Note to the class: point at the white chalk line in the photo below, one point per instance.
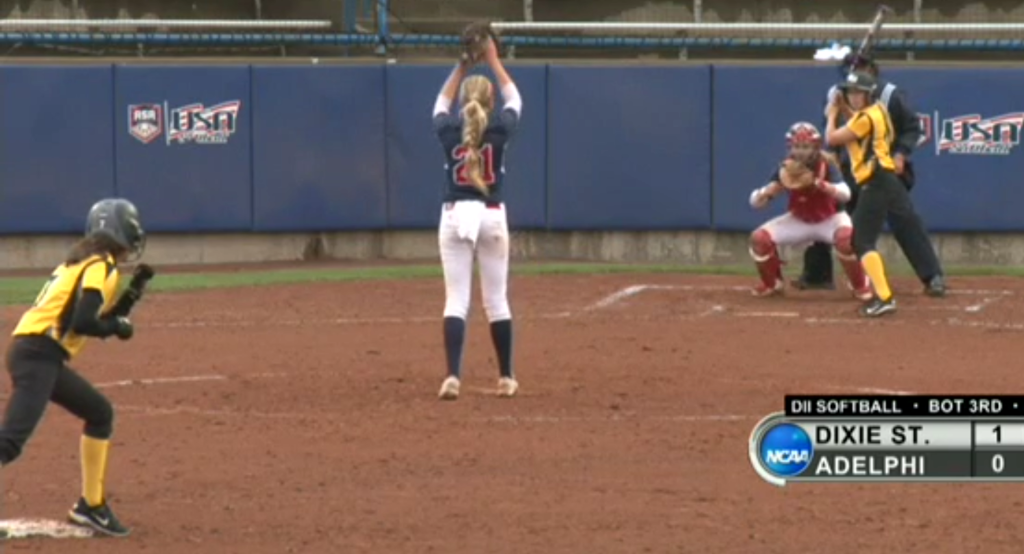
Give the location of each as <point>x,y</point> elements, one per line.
<point>203,412</point>
<point>643,287</point>
<point>979,306</point>
<point>767,314</point>
<point>616,297</point>
<point>201,324</point>
<point>691,418</point>
<point>179,410</point>
<point>151,411</point>
<point>161,381</point>
<point>985,325</point>
<point>872,390</point>
<point>990,296</point>
<point>714,310</point>
<point>608,301</point>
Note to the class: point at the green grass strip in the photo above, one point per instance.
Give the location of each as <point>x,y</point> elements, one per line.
<point>22,290</point>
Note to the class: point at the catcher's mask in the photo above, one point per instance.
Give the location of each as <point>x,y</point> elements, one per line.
<point>804,142</point>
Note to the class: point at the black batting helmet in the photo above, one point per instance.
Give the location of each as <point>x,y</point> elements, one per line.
<point>859,80</point>
<point>117,219</point>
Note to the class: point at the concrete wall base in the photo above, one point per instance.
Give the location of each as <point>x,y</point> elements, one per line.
<point>681,247</point>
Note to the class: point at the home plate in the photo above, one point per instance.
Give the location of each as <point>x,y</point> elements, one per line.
<point>11,529</point>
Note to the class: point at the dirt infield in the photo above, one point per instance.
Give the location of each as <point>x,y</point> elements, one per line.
<point>304,419</point>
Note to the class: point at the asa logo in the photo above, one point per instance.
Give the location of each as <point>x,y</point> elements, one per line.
<point>973,134</point>
<point>786,450</point>
<point>145,122</point>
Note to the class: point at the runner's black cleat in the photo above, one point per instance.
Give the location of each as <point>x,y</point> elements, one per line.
<point>100,519</point>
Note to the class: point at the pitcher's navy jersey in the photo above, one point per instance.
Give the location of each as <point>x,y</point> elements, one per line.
<point>492,151</point>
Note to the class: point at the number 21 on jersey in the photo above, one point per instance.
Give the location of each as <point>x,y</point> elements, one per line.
<point>462,175</point>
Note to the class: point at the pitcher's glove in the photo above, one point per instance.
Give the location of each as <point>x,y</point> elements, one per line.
<point>795,175</point>
<point>474,41</point>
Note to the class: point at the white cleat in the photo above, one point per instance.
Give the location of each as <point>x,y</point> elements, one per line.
<point>449,389</point>
<point>507,387</point>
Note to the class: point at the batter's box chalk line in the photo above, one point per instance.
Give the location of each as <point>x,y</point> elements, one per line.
<point>161,381</point>
<point>989,297</point>
<point>633,290</point>
<point>13,529</point>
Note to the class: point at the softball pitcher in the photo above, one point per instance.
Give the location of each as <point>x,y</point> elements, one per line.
<point>815,188</point>
<point>473,223</point>
<point>77,302</point>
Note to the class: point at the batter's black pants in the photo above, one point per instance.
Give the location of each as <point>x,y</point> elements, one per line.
<point>39,375</point>
<point>907,228</point>
<point>881,198</point>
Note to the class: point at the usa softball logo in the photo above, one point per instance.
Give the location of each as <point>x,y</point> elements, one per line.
<point>786,450</point>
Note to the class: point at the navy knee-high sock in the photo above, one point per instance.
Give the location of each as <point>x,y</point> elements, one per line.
<point>454,339</point>
<point>501,334</point>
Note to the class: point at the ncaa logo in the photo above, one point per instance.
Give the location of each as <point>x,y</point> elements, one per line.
<point>786,450</point>
<point>145,122</point>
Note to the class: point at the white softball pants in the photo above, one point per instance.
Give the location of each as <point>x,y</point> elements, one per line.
<point>469,231</point>
<point>787,230</point>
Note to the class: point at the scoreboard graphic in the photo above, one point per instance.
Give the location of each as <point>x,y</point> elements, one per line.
<point>891,439</point>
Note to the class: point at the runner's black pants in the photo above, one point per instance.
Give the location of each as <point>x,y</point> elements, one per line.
<point>39,375</point>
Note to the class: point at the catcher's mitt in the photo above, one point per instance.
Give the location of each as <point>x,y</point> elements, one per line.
<point>474,41</point>
<point>796,175</point>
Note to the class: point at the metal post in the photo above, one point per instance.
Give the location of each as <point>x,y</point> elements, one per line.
<point>259,10</point>
<point>918,7</point>
<point>383,30</point>
<point>349,15</point>
<point>698,17</point>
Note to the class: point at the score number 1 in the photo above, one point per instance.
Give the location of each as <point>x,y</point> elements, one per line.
<point>998,451</point>
<point>998,463</point>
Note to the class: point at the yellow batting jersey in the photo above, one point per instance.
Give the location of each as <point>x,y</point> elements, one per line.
<point>52,312</point>
<point>871,150</point>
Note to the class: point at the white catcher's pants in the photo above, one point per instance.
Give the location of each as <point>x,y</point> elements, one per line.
<point>468,230</point>
<point>787,230</point>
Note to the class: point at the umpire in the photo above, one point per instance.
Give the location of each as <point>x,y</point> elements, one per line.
<point>908,230</point>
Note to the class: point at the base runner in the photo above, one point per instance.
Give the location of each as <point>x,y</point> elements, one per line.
<point>815,186</point>
<point>78,302</point>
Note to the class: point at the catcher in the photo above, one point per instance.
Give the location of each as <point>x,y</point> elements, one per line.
<point>77,302</point>
<point>815,187</point>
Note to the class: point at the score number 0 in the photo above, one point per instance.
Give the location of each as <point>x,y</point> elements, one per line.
<point>998,463</point>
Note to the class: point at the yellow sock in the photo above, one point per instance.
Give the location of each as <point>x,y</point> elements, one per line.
<point>94,469</point>
<point>875,268</point>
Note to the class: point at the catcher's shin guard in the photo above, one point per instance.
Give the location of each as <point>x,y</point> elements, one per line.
<point>766,256</point>
<point>859,282</point>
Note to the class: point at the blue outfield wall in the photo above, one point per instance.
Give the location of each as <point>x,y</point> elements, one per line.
<point>286,148</point>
